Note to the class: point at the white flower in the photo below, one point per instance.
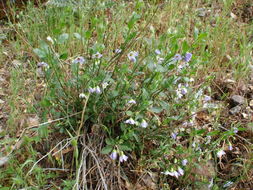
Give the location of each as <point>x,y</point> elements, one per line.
<point>117,50</point>
<point>191,80</point>
<point>144,124</point>
<point>123,158</point>
<point>184,162</point>
<point>50,40</point>
<point>180,67</point>
<point>160,60</point>
<point>132,56</point>
<point>130,121</point>
<point>229,183</point>
<point>173,173</point>
<point>104,85</point>
<point>113,155</point>
<point>82,95</point>
<point>158,52</point>
<point>179,94</point>
<point>79,60</point>
<point>43,65</point>
<point>210,184</point>
<point>207,98</point>
<point>97,55</point>
<point>220,153</point>
<point>230,147</point>
<point>132,101</point>
<point>180,171</point>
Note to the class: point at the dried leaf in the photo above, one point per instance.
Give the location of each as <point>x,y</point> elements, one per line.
<point>33,121</point>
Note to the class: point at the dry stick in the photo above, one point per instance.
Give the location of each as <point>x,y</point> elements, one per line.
<point>56,169</point>
<point>46,155</point>
<point>84,172</point>
<point>99,169</point>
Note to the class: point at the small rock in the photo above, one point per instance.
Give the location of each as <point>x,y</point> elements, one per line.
<point>235,110</point>
<point>233,16</point>
<point>202,12</point>
<point>237,100</point>
<point>3,160</point>
<point>251,103</point>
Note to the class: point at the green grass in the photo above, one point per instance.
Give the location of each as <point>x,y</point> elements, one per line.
<point>59,139</point>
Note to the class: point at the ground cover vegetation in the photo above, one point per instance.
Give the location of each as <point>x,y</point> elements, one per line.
<point>106,94</point>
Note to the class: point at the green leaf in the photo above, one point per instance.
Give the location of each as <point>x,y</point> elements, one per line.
<point>64,56</point>
<point>78,36</point>
<point>156,109</point>
<point>129,113</point>
<point>213,133</point>
<point>107,149</point>
<point>88,34</point>
<point>125,148</point>
<point>185,47</point>
<point>109,141</point>
<point>40,53</point>
<point>63,38</point>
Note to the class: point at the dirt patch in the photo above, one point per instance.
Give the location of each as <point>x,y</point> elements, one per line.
<point>5,6</point>
<point>243,10</point>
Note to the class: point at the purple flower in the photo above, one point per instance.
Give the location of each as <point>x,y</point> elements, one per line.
<point>187,57</point>
<point>174,135</point>
<point>177,57</point>
<point>123,158</point>
<point>79,60</point>
<point>91,90</point>
<point>97,90</point>
<point>132,56</point>
<point>184,162</point>
<point>207,98</point>
<point>94,90</point>
<point>114,155</point>
<point>235,130</point>
<point>230,147</point>
<point>158,52</point>
<point>184,91</point>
